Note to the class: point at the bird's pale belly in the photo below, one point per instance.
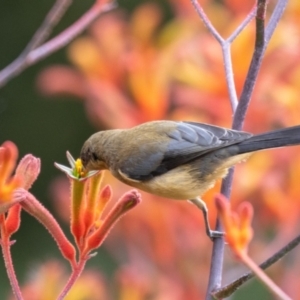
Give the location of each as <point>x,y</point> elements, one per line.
<point>184,182</point>
<point>179,184</point>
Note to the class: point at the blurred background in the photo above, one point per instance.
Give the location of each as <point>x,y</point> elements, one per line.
<point>146,61</point>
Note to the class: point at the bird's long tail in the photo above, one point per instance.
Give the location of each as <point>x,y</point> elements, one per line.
<point>273,139</point>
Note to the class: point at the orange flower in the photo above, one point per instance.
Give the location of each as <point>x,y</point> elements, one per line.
<point>8,158</point>
<point>88,225</point>
<point>237,225</point>
<point>26,173</point>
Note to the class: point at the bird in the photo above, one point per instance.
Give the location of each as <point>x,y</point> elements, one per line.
<point>177,159</point>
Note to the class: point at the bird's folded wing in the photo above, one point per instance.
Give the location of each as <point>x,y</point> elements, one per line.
<point>185,143</point>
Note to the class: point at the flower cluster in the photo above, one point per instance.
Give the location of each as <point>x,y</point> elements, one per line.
<point>88,225</point>
<point>88,201</point>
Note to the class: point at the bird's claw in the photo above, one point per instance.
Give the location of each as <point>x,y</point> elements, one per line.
<point>213,234</point>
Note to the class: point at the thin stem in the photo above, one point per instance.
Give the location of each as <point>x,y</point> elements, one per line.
<point>31,205</point>
<point>5,245</point>
<point>263,277</point>
<point>260,45</point>
<point>239,108</point>
<point>227,58</point>
<point>72,279</point>
<point>229,289</point>
<point>244,23</point>
<point>229,75</point>
<point>276,16</point>
<point>218,247</point>
<point>19,64</point>
<point>70,33</point>
<point>51,20</point>
<point>225,44</point>
<point>216,266</point>
<point>37,54</point>
<point>206,21</point>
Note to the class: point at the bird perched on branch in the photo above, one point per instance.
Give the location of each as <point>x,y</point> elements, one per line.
<point>178,160</point>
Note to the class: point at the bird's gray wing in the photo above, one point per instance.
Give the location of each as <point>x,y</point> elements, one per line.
<point>187,141</point>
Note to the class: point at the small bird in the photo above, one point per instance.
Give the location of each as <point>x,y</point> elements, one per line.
<point>178,160</point>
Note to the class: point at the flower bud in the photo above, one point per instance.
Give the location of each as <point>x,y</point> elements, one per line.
<point>28,170</point>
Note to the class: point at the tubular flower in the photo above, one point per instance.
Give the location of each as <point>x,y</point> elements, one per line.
<point>237,225</point>
<point>8,158</point>
<point>26,173</point>
<point>88,226</point>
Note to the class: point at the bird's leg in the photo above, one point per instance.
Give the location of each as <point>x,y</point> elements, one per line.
<point>202,205</point>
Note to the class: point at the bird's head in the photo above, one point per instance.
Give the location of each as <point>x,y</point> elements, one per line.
<point>91,153</point>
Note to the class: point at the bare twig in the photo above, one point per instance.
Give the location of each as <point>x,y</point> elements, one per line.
<point>226,50</point>
<point>276,16</point>
<point>32,55</point>
<point>218,247</point>
<point>216,266</point>
<point>206,21</point>
<point>70,33</point>
<point>227,59</point>
<point>229,289</point>
<point>261,42</point>
<point>51,20</point>
<point>244,23</point>
<point>225,45</point>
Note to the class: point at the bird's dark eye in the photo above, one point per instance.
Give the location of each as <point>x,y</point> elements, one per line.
<point>94,156</point>
<point>87,155</point>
